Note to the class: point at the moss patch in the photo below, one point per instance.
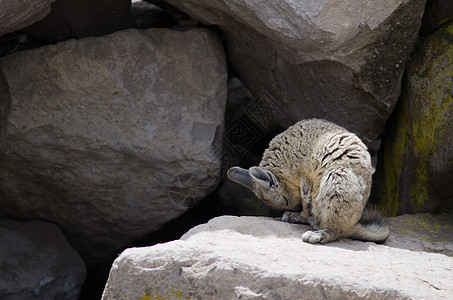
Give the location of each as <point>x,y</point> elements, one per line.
<point>432,104</point>
<point>431,233</point>
<point>170,295</point>
<point>392,158</point>
<point>417,128</point>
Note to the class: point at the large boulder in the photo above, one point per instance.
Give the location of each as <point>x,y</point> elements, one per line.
<point>82,18</point>
<point>416,165</point>
<point>18,14</point>
<point>112,137</point>
<point>36,262</point>
<point>333,59</point>
<point>261,258</point>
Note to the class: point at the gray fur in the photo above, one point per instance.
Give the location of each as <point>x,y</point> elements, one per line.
<point>323,171</point>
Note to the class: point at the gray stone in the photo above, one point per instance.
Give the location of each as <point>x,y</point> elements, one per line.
<point>71,19</point>
<point>36,262</point>
<point>113,137</point>
<point>422,232</point>
<point>262,258</point>
<point>333,59</point>
<point>18,14</point>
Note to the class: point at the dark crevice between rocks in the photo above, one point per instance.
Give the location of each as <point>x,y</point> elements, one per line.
<point>5,103</point>
<point>207,209</point>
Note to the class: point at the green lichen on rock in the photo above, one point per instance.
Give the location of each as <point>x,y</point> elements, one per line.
<point>391,159</point>
<point>419,127</point>
<point>423,232</point>
<point>432,105</point>
<point>169,295</point>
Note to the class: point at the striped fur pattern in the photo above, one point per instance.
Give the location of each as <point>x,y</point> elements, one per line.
<point>320,173</point>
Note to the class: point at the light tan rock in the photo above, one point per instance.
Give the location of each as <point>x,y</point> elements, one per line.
<point>262,258</point>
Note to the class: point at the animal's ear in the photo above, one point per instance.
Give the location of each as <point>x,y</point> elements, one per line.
<point>240,176</point>
<point>263,177</point>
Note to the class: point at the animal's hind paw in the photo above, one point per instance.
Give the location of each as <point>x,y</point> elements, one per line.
<point>312,237</point>
<point>292,217</point>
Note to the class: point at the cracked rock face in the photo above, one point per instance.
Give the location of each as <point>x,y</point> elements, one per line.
<point>261,258</point>
<point>112,137</point>
<point>332,59</point>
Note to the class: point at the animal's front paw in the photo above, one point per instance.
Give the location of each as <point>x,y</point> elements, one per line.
<point>292,217</point>
<point>312,237</point>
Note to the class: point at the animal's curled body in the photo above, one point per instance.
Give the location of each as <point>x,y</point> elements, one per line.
<point>323,171</point>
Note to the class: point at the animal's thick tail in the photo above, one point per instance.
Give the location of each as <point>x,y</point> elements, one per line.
<point>371,227</point>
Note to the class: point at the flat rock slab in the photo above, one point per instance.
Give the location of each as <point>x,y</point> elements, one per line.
<point>261,258</point>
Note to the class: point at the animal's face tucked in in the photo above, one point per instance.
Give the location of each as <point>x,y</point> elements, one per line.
<point>265,186</point>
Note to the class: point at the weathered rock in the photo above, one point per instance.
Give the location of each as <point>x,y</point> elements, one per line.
<point>417,158</point>
<point>422,232</point>
<point>112,137</point>
<point>36,262</point>
<point>261,258</point>
<point>18,14</point>
<point>82,18</point>
<point>333,59</point>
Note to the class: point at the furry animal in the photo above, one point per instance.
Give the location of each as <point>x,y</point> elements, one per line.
<point>320,173</point>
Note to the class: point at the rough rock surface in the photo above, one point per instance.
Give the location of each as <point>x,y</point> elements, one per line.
<point>82,18</point>
<point>112,137</point>
<point>332,59</point>
<point>261,258</point>
<point>416,168</point>
<point>423,232</point>
<point>36,262</point>
<point>18,14</point>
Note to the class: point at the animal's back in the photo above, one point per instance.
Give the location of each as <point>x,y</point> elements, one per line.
<point>309,148</point>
